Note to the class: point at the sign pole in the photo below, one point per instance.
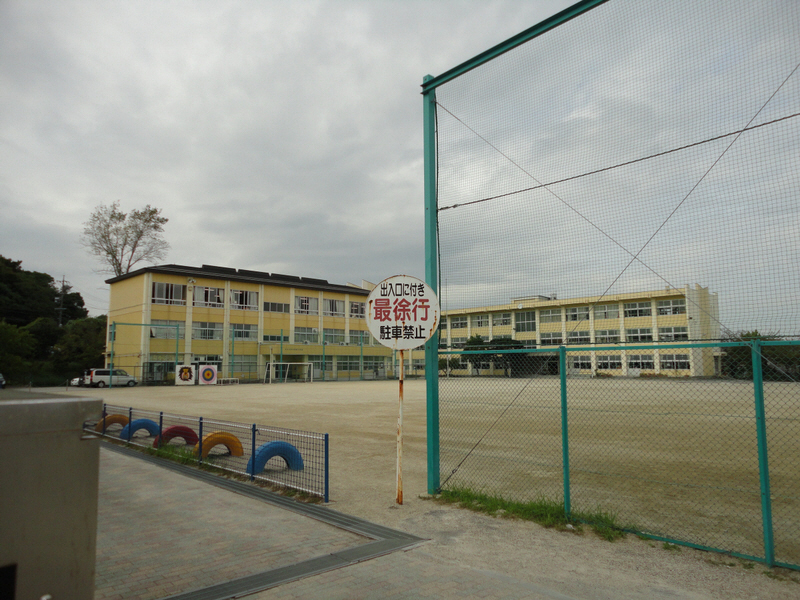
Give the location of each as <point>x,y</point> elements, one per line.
<point>400,434</point>
<point>403,314</point>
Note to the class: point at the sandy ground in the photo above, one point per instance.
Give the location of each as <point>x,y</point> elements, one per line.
<point>361,418</point>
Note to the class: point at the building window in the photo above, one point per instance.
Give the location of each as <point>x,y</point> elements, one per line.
<point>243,300</point>
<point>418,364</point>
<point>373,363</point>
<point>276,338</point>
<point>207,331</point>
<point>348,363</point>
<point>333,336</point>
<point>316,362</point>
<point>169,293</point>
<point>306,335</point>
<point>643,334</point>
<point>501,319</point>
<point>528,343</point>
<point>550,315</point>
<point>606,311</point>
<point>640,361</point>
<point>669,334</point>
<point>333,308</point>
<point>206,359</point>
<point>609,361</point>
<point>580,362</point>
<point>458,322</point>
<point>357,310</point>
<point>480,320</point>
<point>606,336</point>
<point>526,321</point>
<point>501,337</point>
<point>458,342</point>
<point>357,338</point>
<point>675,361</point>
<point>638,309</point>
<point>551,339</point>
<point>276,307</point>
<point>166,329</point>
<point>672,307</point>
<point>305,305</point>
<point>578,313</point>
<point>209,297</point>
<point>578,337</point>
<point>243,363</point>
<point>245,332</point>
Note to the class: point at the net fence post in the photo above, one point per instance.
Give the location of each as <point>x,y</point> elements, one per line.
<point>253,454</point>
<point>431,278</point>
<point>763,459</point>
<point>160,427</point>
<point>327,474</point>
<point>130,420</point>
<point>200,440</point>
<point>562,370</point>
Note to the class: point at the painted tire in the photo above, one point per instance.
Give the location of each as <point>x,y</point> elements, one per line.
<point>181,431</point>
<point>215,438</point>
<point>109,420</point>
<point>129,430</point>
<point>285,450</point>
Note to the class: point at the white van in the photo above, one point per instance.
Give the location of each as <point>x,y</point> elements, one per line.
<point>102,378</point>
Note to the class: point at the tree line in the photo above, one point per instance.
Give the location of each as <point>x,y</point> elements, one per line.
<point>46,335</point>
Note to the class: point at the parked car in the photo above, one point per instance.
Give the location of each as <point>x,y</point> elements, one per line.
<point>77,381</point>
<point>2,382</point>
<point>102,378</point>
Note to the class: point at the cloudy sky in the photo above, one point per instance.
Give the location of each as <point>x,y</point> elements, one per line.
<point>630,114</point>
<point>278,136</point>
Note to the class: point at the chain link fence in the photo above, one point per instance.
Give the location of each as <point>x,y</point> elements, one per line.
<point>712,462</point>
<point>286,458</point>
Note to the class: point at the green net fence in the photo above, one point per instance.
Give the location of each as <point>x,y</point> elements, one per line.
<point>618,221</point>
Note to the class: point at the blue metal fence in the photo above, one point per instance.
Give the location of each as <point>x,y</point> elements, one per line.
<point>286,458</point>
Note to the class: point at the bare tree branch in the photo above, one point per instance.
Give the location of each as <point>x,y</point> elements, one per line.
<point>122,240</point>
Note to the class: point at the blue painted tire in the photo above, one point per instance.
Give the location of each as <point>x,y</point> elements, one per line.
<point>151,426</point>
<point>285,450</point>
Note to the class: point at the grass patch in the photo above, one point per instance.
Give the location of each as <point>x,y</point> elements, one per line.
<point>671,547</point>
<point>544,511</point>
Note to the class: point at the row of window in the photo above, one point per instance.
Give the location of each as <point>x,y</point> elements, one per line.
<point>208,297</point>
<point>668,362</point>
<point>601,336</point>
<point>202,330</point>
<point>526,321</point>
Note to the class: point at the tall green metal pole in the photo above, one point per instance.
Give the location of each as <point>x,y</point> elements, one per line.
<point>562,368</point>
<point>763,459</point>
<point>432,279</point>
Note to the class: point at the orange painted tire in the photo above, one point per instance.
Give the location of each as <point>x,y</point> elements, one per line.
<point>215,438</point>
<point>108,420</point>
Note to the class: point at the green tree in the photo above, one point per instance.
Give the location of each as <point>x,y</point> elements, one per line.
<point>449,363</point>
<point>16,347</point>
<point>46,333</point>
<point>29,295</point>
<point>778,363</point>
<point>121,240</point>
<point>81,347</point>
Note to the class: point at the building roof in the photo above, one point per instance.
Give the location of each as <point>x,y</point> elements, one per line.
<point>243,275</point>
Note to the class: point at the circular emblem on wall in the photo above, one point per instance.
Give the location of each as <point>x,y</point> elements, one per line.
<point>208,374</point>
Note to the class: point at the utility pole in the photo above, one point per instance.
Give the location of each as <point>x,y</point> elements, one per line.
<point>60,308</point>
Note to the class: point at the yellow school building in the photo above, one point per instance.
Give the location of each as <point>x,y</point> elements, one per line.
<point>242,320</point>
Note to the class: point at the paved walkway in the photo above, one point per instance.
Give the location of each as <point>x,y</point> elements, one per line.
<point>163,534</point>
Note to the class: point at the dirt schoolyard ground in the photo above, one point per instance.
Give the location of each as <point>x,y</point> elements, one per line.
<point>361,418</point>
